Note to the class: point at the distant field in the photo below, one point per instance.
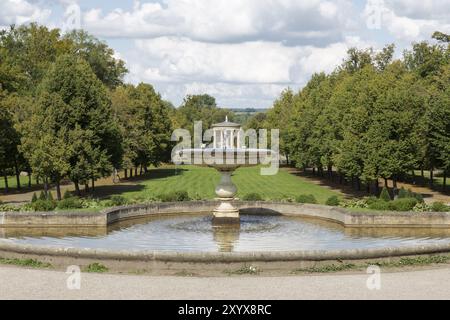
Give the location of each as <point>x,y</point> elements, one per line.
<point>200,183</point>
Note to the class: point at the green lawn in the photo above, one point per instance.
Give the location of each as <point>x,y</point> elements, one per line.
<point>438,179</point>
<point>200,183</point>
<point>12,182</point>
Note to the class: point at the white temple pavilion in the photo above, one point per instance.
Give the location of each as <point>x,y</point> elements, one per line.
<point>227,135</point>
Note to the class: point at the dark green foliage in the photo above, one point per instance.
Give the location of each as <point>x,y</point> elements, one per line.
<point>404,204</point>
<point>118,200</point>
<point>379,205</point>
<point>44,205</point>
<point>306,198</point>
<point>439,207</point>
<point>403,193</point>
<point>175,196</point>
<point>67,194</point>
<point>50,196</point>
<point>70,203</point>
<point>42,196</point>
<point>34,198</point>
<point>252,197</point>
<point>385,196</point>
<point>419,197</point>
<point>333,201</point>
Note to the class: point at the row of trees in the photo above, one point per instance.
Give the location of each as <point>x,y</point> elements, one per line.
<point>373,117</point>
<point>65,112</point>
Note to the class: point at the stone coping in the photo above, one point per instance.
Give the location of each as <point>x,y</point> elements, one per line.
<point>334,214</point>
<point>220,257</point>
<point>110,216</point>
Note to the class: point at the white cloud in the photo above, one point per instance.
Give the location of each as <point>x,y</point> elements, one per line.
<point>235,73</point>
<point>225,20</point>
<point>22,11</point>
<point>410,21</point>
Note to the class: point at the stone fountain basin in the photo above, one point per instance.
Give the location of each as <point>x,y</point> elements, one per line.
<point>357,223</point>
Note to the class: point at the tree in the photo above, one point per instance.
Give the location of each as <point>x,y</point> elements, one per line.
<point>145,125</point>
<point>9,140</point>
<point>89,110</point>
<point>201,108</point>
<point>100,57</point>
<point>44,140</point>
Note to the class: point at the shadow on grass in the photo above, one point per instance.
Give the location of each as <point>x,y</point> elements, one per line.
<point>109,190</point>
<point>155,174</point>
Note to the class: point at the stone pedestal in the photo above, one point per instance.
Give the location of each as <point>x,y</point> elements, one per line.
<point>226,191</point>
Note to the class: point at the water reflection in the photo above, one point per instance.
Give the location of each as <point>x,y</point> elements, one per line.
<point>198,233</point>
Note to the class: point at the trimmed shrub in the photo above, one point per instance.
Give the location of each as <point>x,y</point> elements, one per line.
<point>379,205</point>
<point>34,198</point>
<point>42,196</point>
<point>404,204</point>
<point>252,197</point>
<point>333,201</point>
<point>384,195</point>
<point>403,193</point>
<point>175,196</point>
<point>43,205</point>
<point>70,203</point>
<point>439,207</point>
<point>418,197</point>
<point>118,200</point>
<point>306,198</point>
<point>67,195</point>
<point>50,196</point>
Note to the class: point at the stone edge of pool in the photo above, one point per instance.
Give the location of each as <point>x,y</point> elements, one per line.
<point>333,214</point>
<point>133,258</point>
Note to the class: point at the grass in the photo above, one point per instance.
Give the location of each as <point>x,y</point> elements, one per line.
<point>12,182</point>
<point>244,270</point>
<point>30,263</point>
<point>96,268</point>
<point>402,262</point>
<point>200,183</point>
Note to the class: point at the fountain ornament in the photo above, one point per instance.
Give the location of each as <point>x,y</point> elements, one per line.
<point>226,153</point>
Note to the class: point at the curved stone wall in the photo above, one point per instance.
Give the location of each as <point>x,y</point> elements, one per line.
<point>334,214</point>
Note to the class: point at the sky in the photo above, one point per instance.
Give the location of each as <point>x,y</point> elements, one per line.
<point>243,52</point>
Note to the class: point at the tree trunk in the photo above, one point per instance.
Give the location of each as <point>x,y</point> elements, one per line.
<point>37,180</point>
<point>135,171</point>
<point>386,183</point>
<point>287,160</point>
<point>46,187</point>
<point>394,182</point>
<point>145,169</point>
<point>444,184</point>
<point>377,187</point>
<point>86,187</point>
<point>431,177</point>
<point>141,170</point>
<point>77,188</point>
<point>330,173</point>
<point>368,187</point>
<point>93,184</point>
<point>314,170</point>
<point>6,182</point>
<point>16,167</point>
<point>58,190</point>
<point>340,178</point>
<point>131,173</point>
<point>126,173</point>
<point>358,184</point>
<point>29,179</point>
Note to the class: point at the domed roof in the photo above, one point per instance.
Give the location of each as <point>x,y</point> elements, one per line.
<point>226,124</point>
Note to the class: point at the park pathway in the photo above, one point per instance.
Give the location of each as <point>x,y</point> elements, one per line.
<point>18,283</point>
